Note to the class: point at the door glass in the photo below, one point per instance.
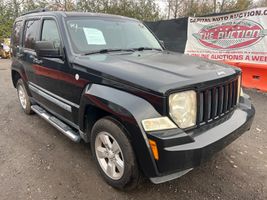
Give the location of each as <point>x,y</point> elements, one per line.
<point>50,33</point>
<point>31,28</point>
<point>16,33</point>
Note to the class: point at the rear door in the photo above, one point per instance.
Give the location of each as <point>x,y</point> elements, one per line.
<point>16,45</point>
<point>15,39</point>
<point>26,53</point>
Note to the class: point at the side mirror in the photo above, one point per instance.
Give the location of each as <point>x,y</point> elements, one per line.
<point>47,49</point>
<point>162,43</point>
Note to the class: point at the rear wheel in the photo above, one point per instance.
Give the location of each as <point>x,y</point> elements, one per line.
<point>114,155</point>
<point>24,98</point>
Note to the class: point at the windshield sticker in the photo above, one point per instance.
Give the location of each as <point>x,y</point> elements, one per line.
<point>94,36</point>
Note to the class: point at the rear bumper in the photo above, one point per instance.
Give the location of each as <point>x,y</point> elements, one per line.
<point>179,152</point>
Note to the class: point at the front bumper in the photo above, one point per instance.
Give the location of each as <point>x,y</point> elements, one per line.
<point>180,151</point>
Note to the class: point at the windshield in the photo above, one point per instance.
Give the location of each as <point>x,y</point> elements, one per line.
<point>90,35</point>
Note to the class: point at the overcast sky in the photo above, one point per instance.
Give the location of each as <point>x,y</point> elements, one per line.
<point>162,4</point>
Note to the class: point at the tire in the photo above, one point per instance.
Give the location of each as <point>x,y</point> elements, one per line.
<point>123,178</point>
<point>24,98</point>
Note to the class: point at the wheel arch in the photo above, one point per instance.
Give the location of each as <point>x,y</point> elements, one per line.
<point>18,74</point>
<point>17,70</point>
<point>15,77</point>
<point>128,110</point>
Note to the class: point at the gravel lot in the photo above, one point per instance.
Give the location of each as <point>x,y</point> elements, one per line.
<point>37,162</point>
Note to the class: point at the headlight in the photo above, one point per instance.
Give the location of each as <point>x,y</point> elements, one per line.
<point>183,108</point>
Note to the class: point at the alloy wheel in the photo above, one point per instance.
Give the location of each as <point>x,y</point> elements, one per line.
<point>22,97</point>
<point>109,155</point>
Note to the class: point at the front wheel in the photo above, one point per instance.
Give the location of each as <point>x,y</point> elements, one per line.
<point>114,155</point>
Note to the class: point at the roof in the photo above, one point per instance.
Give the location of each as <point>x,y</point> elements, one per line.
<point>43,12</point>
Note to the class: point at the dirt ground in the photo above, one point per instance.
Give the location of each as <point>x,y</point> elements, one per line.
<point>37,162</point>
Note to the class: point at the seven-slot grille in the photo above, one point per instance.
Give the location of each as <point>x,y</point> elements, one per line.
<point>216,101</point>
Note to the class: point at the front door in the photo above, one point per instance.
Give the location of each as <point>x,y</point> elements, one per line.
<point>47,86</point>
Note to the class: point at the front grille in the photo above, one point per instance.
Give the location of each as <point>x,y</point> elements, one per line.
<point>216,101</point>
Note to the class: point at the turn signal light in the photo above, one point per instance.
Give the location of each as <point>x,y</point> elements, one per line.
<point>158,124</point>
<point>154,148</point>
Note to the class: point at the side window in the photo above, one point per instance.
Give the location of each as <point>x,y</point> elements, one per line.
<point>30,34</point>
<point>16,33</point>
<point>50,32</point>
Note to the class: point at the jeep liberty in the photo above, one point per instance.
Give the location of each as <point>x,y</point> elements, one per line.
<point>107,80</point>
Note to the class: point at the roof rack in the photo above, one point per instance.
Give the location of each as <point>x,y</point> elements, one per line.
<point>36,11</point>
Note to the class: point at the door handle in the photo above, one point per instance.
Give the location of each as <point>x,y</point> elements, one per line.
<point>37,61</point>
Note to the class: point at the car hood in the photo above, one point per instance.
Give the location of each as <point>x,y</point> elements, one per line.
<point>152,70</point>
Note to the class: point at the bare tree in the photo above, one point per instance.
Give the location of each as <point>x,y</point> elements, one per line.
<point>183,8</point>
<point>262,3</point>
<point>16,7</point>
<point>177,8</point>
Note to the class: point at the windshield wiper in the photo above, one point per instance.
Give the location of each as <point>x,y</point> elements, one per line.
<point>146,48</point>
<point>102,51</point>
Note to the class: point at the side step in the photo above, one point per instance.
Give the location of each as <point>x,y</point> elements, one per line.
<point>58,124</point>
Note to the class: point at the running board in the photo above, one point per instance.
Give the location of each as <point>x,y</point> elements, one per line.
<point>58,124</point>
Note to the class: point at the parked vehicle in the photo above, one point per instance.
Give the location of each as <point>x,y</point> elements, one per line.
<point>107,80</point>
<point>5,49</point>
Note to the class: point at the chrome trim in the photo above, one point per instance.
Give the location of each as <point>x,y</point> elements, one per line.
<point>69,133</point>
<point>50,98</point>
<point>55,96</point>
<point>55,114</point>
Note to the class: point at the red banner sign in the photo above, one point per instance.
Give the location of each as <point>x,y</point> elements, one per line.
<point>238,37</point>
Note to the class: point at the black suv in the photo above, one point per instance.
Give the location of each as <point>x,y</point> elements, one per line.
<point>109,81</point>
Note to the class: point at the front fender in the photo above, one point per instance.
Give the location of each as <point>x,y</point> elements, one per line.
<point>130,110</point>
